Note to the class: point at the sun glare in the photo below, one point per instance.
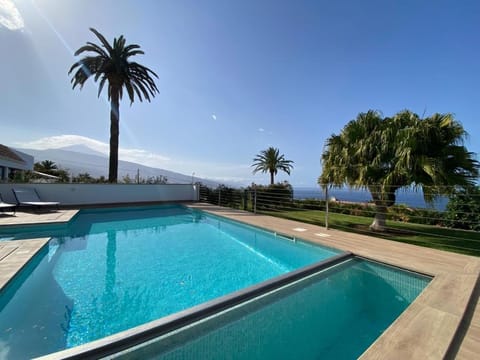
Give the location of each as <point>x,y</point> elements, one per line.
<point>10,17</point>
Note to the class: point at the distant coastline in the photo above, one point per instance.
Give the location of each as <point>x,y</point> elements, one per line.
<point>407,197</point>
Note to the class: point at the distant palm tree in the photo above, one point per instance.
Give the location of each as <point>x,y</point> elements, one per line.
<point>271,161</point>
<point>110,63</point>
<point>46,166</point>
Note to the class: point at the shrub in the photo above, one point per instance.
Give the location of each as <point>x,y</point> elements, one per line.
<point>276,196</point>
<point>463,209</point>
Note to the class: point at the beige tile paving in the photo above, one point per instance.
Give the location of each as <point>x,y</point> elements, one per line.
<point>43,217</point>
<point>15,254</point>
<point>431,324</point>
<point>469,345</point>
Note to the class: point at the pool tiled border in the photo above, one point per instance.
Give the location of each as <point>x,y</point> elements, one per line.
<point>442,323</point>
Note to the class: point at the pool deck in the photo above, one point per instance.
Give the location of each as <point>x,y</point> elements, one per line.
<point>36,218</point>
<point>442,323</point>
<point>15,254</point>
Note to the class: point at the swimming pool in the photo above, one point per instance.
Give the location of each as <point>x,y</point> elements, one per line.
<point>335,313</point>
<point>113,269</point>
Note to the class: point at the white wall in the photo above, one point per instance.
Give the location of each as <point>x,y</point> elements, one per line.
<point>29,160</point>
<point>26,165</point>
<point>85,194</point>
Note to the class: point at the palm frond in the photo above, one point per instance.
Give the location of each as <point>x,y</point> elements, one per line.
<point>271,161</point>
<point>111,64</point>
<point>102,40</point>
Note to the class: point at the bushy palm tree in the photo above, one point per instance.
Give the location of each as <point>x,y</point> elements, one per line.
<point>49,167</point>
<point>46,166</point>
<point>385,154</point>
<point>271,161</point>
<point>111,64</point>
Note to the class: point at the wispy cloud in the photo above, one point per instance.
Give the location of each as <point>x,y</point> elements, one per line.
<point>61,141</point>
<point>224,173</point>
<point>134,155</point>
<point>261,129</point>
<point>214,117</point>
<point>10,16</point>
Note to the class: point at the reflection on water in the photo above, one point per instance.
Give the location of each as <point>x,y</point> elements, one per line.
<point>111,263</point>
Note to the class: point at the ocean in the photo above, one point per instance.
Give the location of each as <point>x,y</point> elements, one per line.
<point>409,198</point>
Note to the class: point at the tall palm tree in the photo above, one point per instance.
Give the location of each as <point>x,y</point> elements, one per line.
<point>385,154</point>
<point>110,64</point>
<point>271,161</point>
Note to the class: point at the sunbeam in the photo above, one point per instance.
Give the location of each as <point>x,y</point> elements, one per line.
<point>123,126</point>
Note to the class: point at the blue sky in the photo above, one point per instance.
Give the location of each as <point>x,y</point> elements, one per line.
<point>236,77</point>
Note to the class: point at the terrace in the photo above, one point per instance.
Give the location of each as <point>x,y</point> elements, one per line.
<point>443,322</point>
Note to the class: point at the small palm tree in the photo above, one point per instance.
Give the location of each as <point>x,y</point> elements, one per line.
<point>110,64</point>
<point>271,161</point>
<point>46,166</point>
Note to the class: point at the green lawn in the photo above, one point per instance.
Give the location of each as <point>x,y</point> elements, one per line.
<point>460,241</point>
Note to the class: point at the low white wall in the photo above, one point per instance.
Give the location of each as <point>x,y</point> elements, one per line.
<point>84,194</point>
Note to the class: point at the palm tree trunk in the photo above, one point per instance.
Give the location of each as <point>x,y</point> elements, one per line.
<point>114,134</point>
<point>380,220</point>
<point>272,179</point>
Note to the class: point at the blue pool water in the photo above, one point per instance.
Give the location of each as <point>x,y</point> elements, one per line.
<point>333,314</point>
<point>111,270</point>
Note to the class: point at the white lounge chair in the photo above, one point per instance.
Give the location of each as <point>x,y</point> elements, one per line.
<point>4,206</point>
<point>29,197</point>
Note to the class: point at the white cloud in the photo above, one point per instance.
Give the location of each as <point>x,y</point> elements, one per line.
<point>214,117</point>
<point>261,129</point>
<point>56,142</point>
<point>10,16</point>
<point>140,156</point>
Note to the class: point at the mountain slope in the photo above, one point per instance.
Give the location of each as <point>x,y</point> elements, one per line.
<point>96,164</point>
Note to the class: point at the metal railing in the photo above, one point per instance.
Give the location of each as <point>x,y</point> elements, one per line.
<point>450,223</point>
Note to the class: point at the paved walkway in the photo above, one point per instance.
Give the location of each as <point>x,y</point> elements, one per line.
<point>442,323</point>
<point>43,217</point>
<point>15,254</point>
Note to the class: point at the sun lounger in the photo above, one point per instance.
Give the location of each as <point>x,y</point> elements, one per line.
<point>29,197</point>
<point>5,206</point>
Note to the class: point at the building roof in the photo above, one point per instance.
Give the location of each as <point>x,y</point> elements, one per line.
<point>9,154</point>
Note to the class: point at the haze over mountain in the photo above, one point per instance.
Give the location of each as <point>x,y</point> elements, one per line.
<point>82,149</point>
<point>78,159</point>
